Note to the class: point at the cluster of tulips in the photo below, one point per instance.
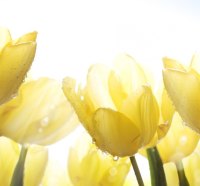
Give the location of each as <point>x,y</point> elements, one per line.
<point>123,113</point>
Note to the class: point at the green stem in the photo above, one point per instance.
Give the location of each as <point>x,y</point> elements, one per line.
<point>137,171</point>
<point>181,174</point>
<point>156,167</point>
<point>18,175</point>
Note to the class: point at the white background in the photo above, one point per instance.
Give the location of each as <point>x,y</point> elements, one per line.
<point>74,34</point>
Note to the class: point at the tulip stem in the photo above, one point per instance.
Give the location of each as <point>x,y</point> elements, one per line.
<point>181,174</point>
<point>18,175</point>
<point>156,167</point>
<point>137,171</point>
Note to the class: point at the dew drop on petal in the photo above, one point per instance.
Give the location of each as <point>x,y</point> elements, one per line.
<point>115,158</point>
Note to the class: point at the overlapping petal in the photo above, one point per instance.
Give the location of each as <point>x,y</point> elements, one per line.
<point>40,114</point>
<point>116,106</point>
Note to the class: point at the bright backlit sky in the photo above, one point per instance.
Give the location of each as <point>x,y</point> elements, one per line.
<point>74,34</point>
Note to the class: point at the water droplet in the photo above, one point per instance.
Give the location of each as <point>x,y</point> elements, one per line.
<point>93,141</point>
<point>44,122</point>
<point>183,140</point>
<point>115,158</point>
<point>40,130</point>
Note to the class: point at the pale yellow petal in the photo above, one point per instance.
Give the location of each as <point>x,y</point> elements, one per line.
<point>180,141</point>
<point>172,64</point>
<point>9,154</point>
<point>97,86</point>
<point>149,113</point>
<point>26,38</point>
<point>5,37</point>
<point>184,90</point>
<point>81,103</point>
<point>171,174</point>
<point>36,161</point>
<point>115,133</point>
<point>167,108</point>
<point>192,169</point>
<point>195,62</point>
<point>130,73</point>
<point>40,114</point>
<point>117,92</point>
<point>15,61</point>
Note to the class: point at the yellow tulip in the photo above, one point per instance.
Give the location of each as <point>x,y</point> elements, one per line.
<point>16,57</point>
<point>179,142</point>
<point>40,114</point>
<point>34,166</point>
<point>89,166</point>
<point>191,167</point>
<point>117,107</point>
<point>183,87</point>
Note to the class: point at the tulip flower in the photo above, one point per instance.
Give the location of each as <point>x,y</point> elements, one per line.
<point>89,166</point>
<point>40,114</point>
<point>117,106</point>
<point>183,87</point>
<point>34,166</point>
<point>16,57</point>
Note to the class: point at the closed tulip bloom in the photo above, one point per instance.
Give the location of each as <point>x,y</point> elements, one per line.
<point>183,87</point>
<point>40,114</point>
<point>34,166</point>
<point>16,57</point>
<point>117,107</point>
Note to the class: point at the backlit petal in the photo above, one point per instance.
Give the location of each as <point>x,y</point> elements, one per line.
<point>35,165</point>
<point>40,114</point>
<point>5,37</point>
<point>15,61</point>
<point>184,90</point>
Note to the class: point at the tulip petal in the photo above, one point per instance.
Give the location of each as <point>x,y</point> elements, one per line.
<point>35,165</point>
<point>40,114</point>
<point>184,90</point>
<point>97,86</point>
<point>81,103</point>
<point>15,61</point>
<point>115,133</point>
<point>5,37</point>
<point>8,158</point>
<point>172,64</point>
<point>116,90</point>
<point>26,38</point>
<point>195,62</point>
<point>149,113</point>
<point>130,73</point>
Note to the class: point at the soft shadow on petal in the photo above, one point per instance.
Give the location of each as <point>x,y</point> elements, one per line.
<point>115,133</point>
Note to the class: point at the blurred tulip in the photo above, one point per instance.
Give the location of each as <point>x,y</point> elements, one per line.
<point>89,166</point>
<point>40,114</point>
<point>16,57</point>
<point>34,166</point>
<point>179,142</point>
